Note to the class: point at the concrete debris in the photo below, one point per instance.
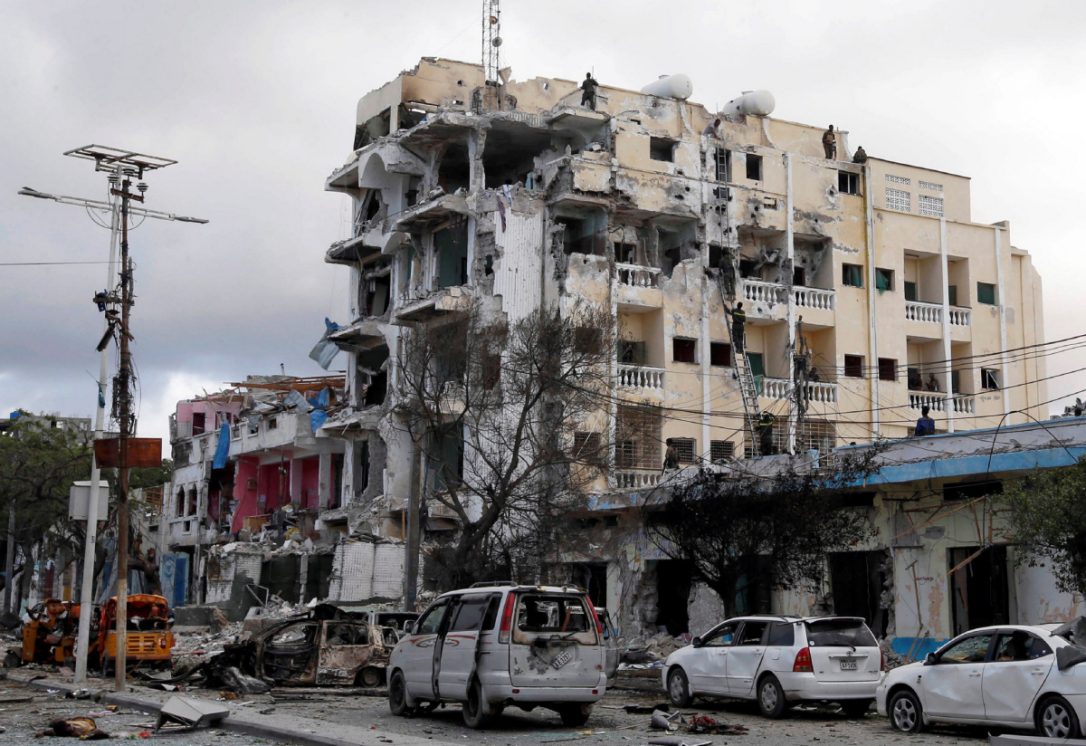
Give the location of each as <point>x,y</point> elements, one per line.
<point>236,681</point>
<point>193,713</point>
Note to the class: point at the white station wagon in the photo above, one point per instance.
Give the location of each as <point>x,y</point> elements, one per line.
<point>779,661</point>
<point>1011,675</point>
<point>490,646</point>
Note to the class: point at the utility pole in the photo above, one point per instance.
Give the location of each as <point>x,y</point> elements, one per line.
<point>118,164</point>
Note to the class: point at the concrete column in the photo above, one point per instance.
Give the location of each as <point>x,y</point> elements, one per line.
<point>324,480</point>
<point>790,256</point>
<point>1006,383</point>
<point>873,327</point>
<point>945,276</point>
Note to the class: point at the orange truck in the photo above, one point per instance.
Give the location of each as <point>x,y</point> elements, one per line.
<point>148,639</point>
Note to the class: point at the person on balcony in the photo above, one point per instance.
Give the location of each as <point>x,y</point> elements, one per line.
<point>925,425</point>
<point>933,384</point>
<point>671,456</point>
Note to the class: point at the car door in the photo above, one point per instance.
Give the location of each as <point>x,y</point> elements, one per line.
<point>458,652</point>
<point>951,683</point>
<point>707,668</point>
<point>744,658</point>
<point>418,651</point>
<point>1019,666</point>
<point>290,653</point>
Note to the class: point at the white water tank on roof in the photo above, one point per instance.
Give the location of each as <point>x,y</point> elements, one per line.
<point>756,103</point>
<point>670,86</point>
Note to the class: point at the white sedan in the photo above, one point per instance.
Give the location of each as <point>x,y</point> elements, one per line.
<point>1010,675</point>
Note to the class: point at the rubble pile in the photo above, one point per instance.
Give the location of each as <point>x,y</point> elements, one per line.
<point>650,652</point>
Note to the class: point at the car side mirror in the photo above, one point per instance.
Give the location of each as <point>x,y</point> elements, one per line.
<point>930,659</point>
<point>696,642</point>
<point>409,628</point>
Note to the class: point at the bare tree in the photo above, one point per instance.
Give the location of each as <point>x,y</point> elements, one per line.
<point>747,533</point>
<point>494,408</point>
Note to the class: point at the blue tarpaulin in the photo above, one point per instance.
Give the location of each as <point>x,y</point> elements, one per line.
<point>222,450</point>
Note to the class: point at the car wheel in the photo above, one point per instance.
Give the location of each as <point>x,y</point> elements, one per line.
<point>678,688</point>
<point>771,701</point>
<point>906,714</point>
<point>473,710</point>
<point>574,716</point>
<point>856,708</point>
<point>370,676</point>
<point>1056,719</point>
<point>397,695</point>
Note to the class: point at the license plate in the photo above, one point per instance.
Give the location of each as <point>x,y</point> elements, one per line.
<point>562,659</point>
<point>849,664</point>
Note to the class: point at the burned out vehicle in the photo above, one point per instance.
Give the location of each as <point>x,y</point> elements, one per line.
<point>325,647</point>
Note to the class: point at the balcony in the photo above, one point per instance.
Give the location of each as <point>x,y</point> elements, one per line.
<point>641,378</point>
<point>418,305</point>
<point>638,286</point>
<point>770,299</point>
<point>816,298</point>
<point>364,334</point>
<point>937,402</point>
<point>932,313</point>
<point>636,479</point>
<point>757,291</point>
<point>816,391</point>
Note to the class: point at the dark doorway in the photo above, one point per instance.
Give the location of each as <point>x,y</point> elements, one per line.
<point>672,595</point>
<point>978,588</point>
<point>857,580</point>
<point>592,576</point>
<point>318,576</point>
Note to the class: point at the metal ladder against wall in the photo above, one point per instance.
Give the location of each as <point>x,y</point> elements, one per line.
<point>747,388</point>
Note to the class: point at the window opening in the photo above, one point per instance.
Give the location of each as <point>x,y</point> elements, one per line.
<point>684,350</point>
<point>662,149</point>
<point>910,290</point>
<point>884,279</point>
<point>989,379</point>
<point>930,206</point>
<point>685,449</point>
<point>754,167</point>
<point>848,183</point>
<point>721,450</point>
<point>854,366</point>
<point>723,165</point>
<point>986,293</point>
<point>720,354</point>
<point>898,199</point>
<point>852,275</point>
<point>887,369</point>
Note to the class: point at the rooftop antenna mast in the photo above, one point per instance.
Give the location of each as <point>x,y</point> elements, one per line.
<point>492,42</point>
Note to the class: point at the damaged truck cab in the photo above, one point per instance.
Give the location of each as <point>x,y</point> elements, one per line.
<point>490,646</point>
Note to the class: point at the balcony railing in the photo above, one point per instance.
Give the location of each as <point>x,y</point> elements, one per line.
<point>814,297</point>
<point>958,403</point>
<point>636,479</point>
<point>759,291</point>
<point>817,391</point>
<point>641,377</point>
<point>959,316</point>
<point>925,312</point>
<point>637,276</point>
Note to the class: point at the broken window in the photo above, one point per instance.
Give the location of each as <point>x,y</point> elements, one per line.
<point>887,369</point>
<point>723,165</point>
<point>625,253</point>
<point>684,350</point>
<point>799,277</point>
<point>721,450</point>
<point>375,127</point>
<point>631,352</point>
<point>986,293</point>
<point>720,354</point>
<point>198,419</point>
<point>685,449</point>
<point>179,508</point>
<point>662,149</point>
<point>451,246</point>
<point>510,151</point>
<point>375,288</point>
<point>989,379</point>
<point>754,167</point>
<point>848,183</point>
<point>884,279</point>
<point>454,169</point>
<point>581,235</point>
<point>748,268</point>
<point>854,366</point>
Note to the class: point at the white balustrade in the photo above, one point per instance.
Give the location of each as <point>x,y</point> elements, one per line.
<point>927,312</point>
<point>637,276</point>
<point>817,391</point>
<point>964,404</point>
<point>757,291</point>
<point>813,297</point>
<point>640,377</point>
<point>934,402</point>
<point>959,316</point>
<point>636,479</point>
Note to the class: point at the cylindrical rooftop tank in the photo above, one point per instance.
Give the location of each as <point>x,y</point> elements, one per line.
<point>756,103</point>
<point>670,86</point>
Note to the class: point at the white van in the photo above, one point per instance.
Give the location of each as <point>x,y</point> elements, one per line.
<point>494,645</point>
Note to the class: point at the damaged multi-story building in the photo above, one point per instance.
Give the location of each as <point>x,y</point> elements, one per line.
<point>869,291</point>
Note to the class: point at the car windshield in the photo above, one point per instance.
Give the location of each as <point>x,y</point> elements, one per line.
<point>540,613</point>
<point>849,632</point>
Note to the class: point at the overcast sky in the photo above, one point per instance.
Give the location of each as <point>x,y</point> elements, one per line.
<point>256,100</point>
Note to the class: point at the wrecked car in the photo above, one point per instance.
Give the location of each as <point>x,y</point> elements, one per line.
<point>48,636</point>
<point>1012,675</point>
<point>325,647</point>
<point>612,646</point>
